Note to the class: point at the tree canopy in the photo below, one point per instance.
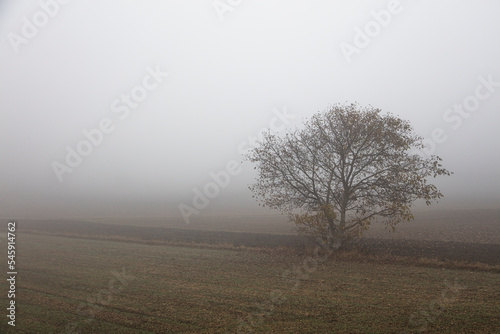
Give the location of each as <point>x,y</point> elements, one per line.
<point>344,169</point>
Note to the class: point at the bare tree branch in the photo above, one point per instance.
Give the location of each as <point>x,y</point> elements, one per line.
<point>347,167</point>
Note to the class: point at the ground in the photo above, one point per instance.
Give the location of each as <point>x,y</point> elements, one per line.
<point>86,278</point>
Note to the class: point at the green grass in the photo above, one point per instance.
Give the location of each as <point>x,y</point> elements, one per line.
<point>197,290</point>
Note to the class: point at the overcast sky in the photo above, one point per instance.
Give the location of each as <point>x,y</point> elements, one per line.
<point>234,68</point>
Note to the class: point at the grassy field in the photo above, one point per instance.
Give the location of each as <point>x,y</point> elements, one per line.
<point>76,285</point>
<point>459,225</point>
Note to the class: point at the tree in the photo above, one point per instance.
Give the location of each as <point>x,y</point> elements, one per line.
<point>344,169</point>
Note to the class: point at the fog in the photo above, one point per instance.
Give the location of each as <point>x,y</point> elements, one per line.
<point>160,96</point>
